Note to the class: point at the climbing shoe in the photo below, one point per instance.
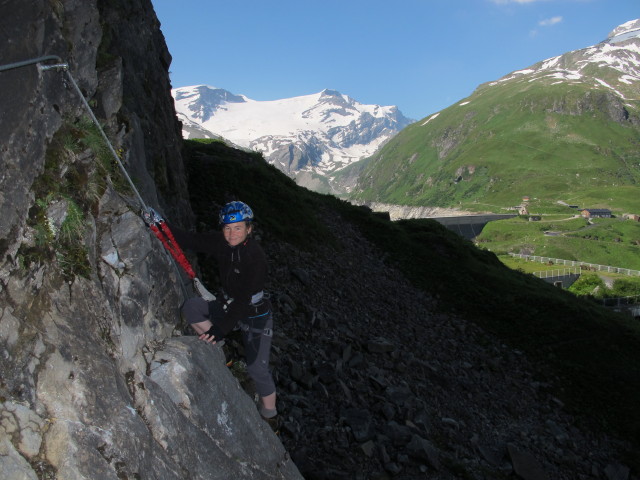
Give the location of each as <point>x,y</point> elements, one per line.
<point>274,423</point>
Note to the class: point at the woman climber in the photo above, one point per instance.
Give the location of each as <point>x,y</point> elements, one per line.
<point>242,266</point>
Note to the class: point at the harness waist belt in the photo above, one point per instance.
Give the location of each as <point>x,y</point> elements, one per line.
<point>257,297</point>
<point>267,332</point>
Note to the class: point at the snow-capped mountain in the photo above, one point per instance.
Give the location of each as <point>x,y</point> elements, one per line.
<point>615,62</point>
<point>309,138</point>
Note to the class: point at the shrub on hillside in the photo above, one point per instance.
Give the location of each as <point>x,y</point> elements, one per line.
<point>587,285</point>
<point>626,287</point>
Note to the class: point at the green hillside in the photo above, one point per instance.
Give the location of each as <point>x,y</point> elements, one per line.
<point>547,140</point>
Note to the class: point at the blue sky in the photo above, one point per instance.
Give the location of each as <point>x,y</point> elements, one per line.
<point>421,55</point>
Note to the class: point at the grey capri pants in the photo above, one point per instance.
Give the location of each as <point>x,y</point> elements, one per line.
<point>257,332</point>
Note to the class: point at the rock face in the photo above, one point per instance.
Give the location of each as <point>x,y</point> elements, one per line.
<point>96,380</point>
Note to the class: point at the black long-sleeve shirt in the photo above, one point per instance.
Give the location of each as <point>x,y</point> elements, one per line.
<point>243,272</point>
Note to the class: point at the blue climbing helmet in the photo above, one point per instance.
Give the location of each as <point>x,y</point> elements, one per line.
<point>234,212</point>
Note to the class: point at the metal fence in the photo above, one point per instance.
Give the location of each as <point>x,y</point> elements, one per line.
<point>581,265</point>
<point>621,301</point>
<point>558,272</point>
<point>629,304</point>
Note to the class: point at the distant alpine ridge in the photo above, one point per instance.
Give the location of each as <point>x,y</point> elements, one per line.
<point>613,64</point>
<point>564,129</point>
<point>310,138</point>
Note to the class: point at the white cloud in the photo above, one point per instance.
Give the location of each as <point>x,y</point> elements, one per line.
<point>550,21</point>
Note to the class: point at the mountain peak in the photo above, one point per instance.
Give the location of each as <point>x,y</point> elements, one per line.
<point>632,26</point>
<point>335,98</point>
<point>309,137</point>
<point>205,100</point>
<point>330,93</point>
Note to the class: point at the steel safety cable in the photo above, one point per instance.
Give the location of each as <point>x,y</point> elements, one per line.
<point>32,61</point>
<point>158,226</point>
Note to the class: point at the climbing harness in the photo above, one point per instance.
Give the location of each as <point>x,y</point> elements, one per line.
<point>155,222</point>
<point>249,326</point>
<point>246,328</point>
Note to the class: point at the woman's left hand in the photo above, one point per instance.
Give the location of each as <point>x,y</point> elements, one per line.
<point>208,338</point>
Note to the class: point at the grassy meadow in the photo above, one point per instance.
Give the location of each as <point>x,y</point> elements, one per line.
<point>607,241</point>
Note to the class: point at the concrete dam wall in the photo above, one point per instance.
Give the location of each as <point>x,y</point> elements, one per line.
<point>464,223</point>
<point>469,226</point>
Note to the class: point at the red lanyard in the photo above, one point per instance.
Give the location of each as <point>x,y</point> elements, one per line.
<point>166,237</point>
